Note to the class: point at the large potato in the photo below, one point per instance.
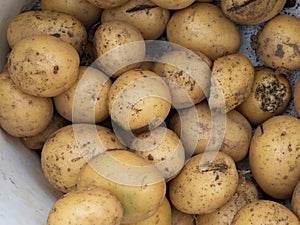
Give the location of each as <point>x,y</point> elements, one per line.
<point>274,156</point>
<point>43,66</point>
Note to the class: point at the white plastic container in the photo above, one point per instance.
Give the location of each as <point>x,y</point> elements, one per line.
<point>25,195</point>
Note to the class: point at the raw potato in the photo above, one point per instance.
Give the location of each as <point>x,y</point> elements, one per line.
<point>60,25</point>
<point>119,47</point>
<point>251,12</point>
<point>162,147</point>
<point>274,156</point>
<point>37,141</point>
<point>203,27</point>
<point>43,66</point>
<point>68,149</point>
<point>190,194</point>
<point>277,43</point>
<point>86,100</point>
<point>22,114</point>
<point>86,207</point>
<point>270,95</point>
<point>296,200</point>
<point>187,76</point>
<point>297,96</point>
<point>107,4</point>
<point>123,173</point>
<point>150,19</point>
<point>173,4</point>
<point>265,212</point>
<point>180,218</point>
<point>232,80</point>
<point>84,11</point>
<point>246,193</point>
<point>139,98</point>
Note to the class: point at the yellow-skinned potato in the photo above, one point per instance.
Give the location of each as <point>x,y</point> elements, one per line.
<point>180,218</point>
<point>107,4</point>
<point>43,66</point>
<point>22,114</point>
<point>203,27</point>
<point>173,4</point>
<point>123,173</point>
<point>66,151</point>
<point>270,95</point>
<point>86,100</point>
<point>274,156</point>
<point>60,25</point>
<point>207,181</point>
<point>84,11</point>
<point>296,200</point>
<point>296,95</point>
<point>86,207</point>
<point>265,212</point>
<point>150,19</point>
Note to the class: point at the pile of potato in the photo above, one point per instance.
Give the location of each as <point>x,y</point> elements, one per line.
<point>143,110</point>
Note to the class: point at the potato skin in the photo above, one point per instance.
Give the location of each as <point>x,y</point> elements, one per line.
<point>107,4</point>
<point>296,95</point>
<point>88,206</point>
<point>296,200</point>
<point>173,4</point>
<point>274,156</point>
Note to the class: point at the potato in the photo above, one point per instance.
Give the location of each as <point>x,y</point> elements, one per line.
<point>86,207</point>
<point>150,19</point>
<point>180,218</point>
<point>232,80</point>
<point>86,100</point>
<point>43,66</point>
<point>107,4</point>
<point>119,47</point>
<point>173,4</point>
<point>246,193</point>
<point>187,76</point>
<point>190,194</point>
<point>197,128</point>
<point>277,43</point>
<point>139,98</point>
<point>138,184</point>
<point>203,27</point>
<point>270,95</point>
<point>251,12</point>
<point>265,212</point>
<point>60,25</point>
<point>162,147</point>
<point>84,11</point>
<point>67,150</point>
<point>274,156</point>
<point>37,141</point>
<point>22,114</point>
<point>296,96</point>
<point>296,200</point>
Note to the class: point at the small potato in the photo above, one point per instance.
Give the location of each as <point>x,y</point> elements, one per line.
<point>173,4</point>
<point>119,47</point>
<point>150,19</point>
<point>43,66</point>
<point>265,212</point>
<point>21,114</point>
<point>84,11</point>
<point>180,218</point>
<point>232,80</point>
<point>274,156</point>
<point>296,95</point>
<point>107,4</point>
<point>67,150</point>
<point>60,25</point>
<point>86,207</point>
<point>206,183</point>
<point>203,27</point>
<point>270,95</point>
<point>296,200</point>
<point>86,100</point>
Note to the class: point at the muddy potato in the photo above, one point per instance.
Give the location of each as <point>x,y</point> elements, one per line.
<point>180,218</point>
<point>86,100</point>
<point>60,25</point>
<point>232,80</point>
<point>296,96</point>
<point>274,156</point>
<point>107,4</point>
<point>150,19</point>
<point>173,4</point>
<point>277,43</point>
<point>203,27</point>
<point>119,47</point>
<point>43,66</point>
<point>296,200</point>
<point>22,114</point>
<point>84,11</point>
<point>265,212</point>
<point>87,206</point>
<point>67,150</point>
<point>123,173</point>
<point>189,194</point>
<point>270,95</point>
